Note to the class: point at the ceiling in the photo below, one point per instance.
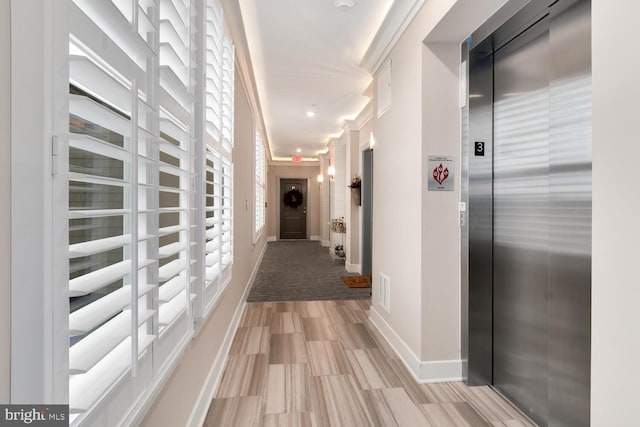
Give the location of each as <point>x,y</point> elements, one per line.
<point>306,56</point>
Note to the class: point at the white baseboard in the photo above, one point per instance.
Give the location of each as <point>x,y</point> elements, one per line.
<point>271,238</point>
<point>326,243</point>
<point>214,376</point>
<point>352,268</point>
<point>314,238</point>
<point>434,371</point>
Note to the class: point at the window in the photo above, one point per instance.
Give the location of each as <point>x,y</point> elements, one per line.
<point>219,72</point>
<point>112,193</point>
<point>133,224</point>
<point>260,161</point>
<point>174,164</point>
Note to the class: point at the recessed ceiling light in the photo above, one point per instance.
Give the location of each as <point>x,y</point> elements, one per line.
<point>311,113</point>
<point>344,4</point>
<point>298,150</point>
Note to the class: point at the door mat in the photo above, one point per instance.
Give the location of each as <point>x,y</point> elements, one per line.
<point>357,281</point>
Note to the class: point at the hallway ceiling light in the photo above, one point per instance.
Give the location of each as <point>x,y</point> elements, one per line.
<point>310,114</point>
<point>344,4</point>
<point>298,150</point>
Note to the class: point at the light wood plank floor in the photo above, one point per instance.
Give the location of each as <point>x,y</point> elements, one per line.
<point>321,363</point>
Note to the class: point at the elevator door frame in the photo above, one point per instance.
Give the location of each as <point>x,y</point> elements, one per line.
<point>477,294</point>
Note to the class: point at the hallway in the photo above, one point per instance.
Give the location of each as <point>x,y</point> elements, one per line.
<point>301,270</point>
<point>322,363</point>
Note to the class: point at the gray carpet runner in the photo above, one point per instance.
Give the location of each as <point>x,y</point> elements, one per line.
<point>301,271</point>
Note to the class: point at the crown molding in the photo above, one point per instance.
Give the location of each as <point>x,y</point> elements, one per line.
<point>290,163</point>
<point>395,23</point>
<point>365,115</point>
<point>348,125</point>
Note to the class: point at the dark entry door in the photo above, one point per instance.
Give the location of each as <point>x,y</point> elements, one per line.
<point>293,208</point>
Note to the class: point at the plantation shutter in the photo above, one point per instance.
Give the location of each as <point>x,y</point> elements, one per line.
<point>218,154</point>
<point>212,224</point>
<point>111,195</point>
<point>175,176</point>
<point>260,184</point>
<point>227,166</point>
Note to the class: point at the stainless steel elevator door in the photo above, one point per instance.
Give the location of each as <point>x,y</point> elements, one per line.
<point>542,217</point>
<point>521,220</point>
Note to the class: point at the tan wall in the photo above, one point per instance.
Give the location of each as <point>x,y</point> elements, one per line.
<point>415,232</point>
<point>313,196</point>
<point>397,194</point>
<point>615,342</point>
<point>352,238</point>
<point>5,200</point>
<point>174,405</point>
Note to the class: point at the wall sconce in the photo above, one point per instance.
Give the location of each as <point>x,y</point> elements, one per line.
<point>372,141</point>
<point>331,171</point>
<point>320,178</point>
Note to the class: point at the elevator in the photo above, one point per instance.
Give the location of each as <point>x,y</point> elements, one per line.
<point>529,209</point>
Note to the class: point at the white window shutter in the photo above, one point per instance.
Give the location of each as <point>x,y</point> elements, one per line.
<point>111,193</point>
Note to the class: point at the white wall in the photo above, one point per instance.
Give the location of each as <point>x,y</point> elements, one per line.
<point>5,199</point>
<point>175,404</point>
<point>338,158</point>
<point>415,232</point>
<point>324,200</point>
<point>397,195</point>
<point>440,221</point>
<point>352,211</point>
<point>615,341</point>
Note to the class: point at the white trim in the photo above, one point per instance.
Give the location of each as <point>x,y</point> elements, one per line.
<point>394,25</point>
<point>326,243</point>
<point>434,371</point>
<point>365,115</point>
<point>205,397</point>
<point>314,164</point>
<point>271,238</point>
<point>138,410</point>
<point>353,268</point>
<point>314,238</point>
<point>39,261</point>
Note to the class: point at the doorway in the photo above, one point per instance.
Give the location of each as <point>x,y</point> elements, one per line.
<point>293,208</point>
<point>530,211</point>
<point>367,212</point>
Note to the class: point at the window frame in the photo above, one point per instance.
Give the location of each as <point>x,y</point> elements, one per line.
<point>259,187</point>
<point>40,205</point>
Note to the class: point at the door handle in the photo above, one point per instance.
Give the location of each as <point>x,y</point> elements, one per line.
<point>304,211</point>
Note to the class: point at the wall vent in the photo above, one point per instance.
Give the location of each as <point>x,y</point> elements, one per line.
<point>384,293</point>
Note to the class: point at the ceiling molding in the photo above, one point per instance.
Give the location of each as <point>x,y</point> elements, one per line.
<point>395,23</point>
<point>315,163</point>
<point>362,119</point>
<point>348,125</point>
<point>365,115</point>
